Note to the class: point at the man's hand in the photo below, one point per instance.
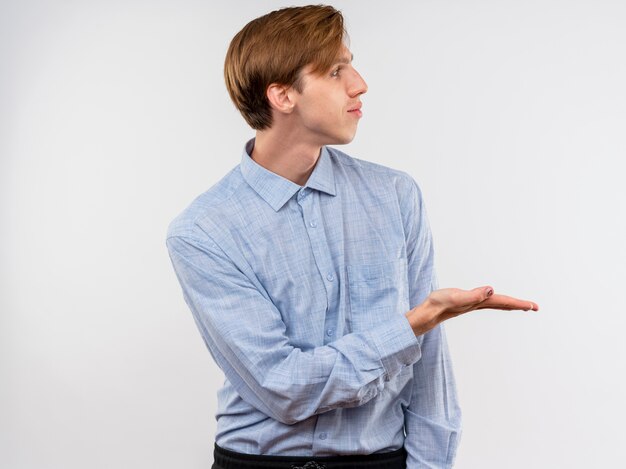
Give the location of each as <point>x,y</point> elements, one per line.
<point>450,302</point>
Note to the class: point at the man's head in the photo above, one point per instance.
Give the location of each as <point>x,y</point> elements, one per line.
<point>290,61</point>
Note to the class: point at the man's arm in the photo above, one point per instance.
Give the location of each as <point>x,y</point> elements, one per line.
<point>433,417</point>
<point>246,335</point>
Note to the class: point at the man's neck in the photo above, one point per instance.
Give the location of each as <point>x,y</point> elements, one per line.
<point>288,157</point>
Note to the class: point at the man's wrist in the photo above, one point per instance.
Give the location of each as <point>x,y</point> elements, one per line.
<point>423,317</point>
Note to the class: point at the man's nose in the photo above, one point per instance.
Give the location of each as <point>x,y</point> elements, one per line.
<point>358,86</point>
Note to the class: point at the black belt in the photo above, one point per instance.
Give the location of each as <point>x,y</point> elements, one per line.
<point>226,459</point>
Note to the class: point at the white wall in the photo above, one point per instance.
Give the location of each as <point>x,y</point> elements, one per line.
<point>511,116</point>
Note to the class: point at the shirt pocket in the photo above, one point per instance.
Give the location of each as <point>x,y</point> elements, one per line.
<point>377,292</point>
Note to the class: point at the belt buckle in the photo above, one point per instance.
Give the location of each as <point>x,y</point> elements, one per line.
<point>309,465</point>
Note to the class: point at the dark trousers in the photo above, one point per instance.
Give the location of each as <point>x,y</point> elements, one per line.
<point>226,459</point>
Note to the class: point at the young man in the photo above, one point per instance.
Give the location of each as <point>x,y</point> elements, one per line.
<point>310,273</point>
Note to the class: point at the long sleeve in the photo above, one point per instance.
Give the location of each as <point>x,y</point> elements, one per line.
<point>247,337</point>
<point>433,417</point>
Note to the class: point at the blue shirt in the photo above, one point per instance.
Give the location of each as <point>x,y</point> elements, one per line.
<point>300,294</point>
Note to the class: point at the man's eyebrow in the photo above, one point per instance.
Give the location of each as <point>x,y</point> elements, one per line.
<point>345,59</point>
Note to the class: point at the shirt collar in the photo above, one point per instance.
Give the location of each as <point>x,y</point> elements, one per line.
<point>277,190</point>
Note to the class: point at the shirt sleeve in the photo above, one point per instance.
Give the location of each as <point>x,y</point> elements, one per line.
<point>433,416</point>
<point>247,338</point>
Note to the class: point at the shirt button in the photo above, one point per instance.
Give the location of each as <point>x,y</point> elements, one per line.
<point>323,436</point>
<point>313,224</point>
<point>329,332</point>
<point>330,277</point>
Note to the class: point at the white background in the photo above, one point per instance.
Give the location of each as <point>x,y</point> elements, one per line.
<point>510,115</point>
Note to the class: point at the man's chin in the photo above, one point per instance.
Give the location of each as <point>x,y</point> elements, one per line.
<point>343,140</point>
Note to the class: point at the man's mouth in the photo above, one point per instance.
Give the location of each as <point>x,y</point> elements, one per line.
<point>356,110</point>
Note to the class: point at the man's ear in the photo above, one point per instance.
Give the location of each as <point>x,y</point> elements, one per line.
<point>280,98</point>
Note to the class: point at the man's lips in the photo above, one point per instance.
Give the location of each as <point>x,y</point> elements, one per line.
<point>356,110</point>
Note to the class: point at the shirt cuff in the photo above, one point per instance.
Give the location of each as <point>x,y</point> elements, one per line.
<point>397,345</point>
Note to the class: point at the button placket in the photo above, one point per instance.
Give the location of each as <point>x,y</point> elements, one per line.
<point>312,219</point>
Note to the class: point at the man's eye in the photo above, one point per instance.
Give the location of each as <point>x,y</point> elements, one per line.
<point>335,72</point>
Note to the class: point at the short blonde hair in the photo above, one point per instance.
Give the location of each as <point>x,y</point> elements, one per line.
<point>274,48</point>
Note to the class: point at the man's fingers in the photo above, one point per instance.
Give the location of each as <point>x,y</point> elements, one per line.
<point>508,303</point>
<point>475,295</point>
<point>455,300</point>
<point>487,291</point>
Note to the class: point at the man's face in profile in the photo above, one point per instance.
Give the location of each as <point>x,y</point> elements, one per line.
<point>328,109</point>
